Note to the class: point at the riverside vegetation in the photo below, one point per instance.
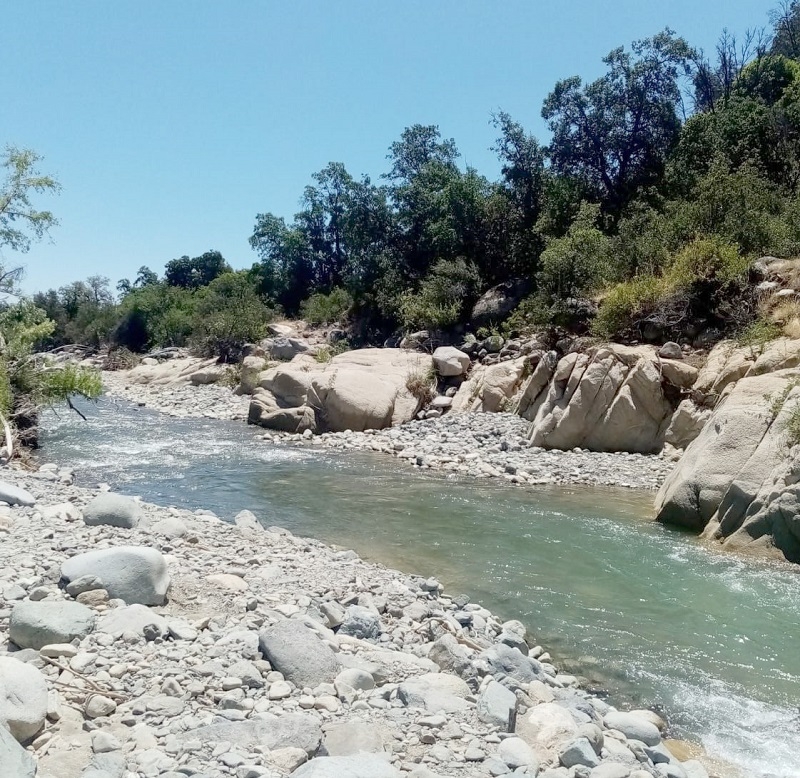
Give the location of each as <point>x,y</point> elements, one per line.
<point>153,642</point>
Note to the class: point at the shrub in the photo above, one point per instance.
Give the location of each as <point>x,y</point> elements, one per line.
<point>757,334</point>
<point>707,259</point>
<point>422,385</point>
<point>626,303</point>
<point>121,358</point>
<point>326,308</point>
<point>229,314</point>
<point>580,262</point>
<point>444,296</point>
<point>707,277</point>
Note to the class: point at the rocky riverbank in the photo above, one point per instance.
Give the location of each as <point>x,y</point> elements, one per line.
<point>152,642</point>
<point>480,445</point>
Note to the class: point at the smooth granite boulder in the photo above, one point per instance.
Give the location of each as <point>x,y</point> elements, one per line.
<point>23,700</point>
<point>296,651</point>
<point>135,574</point>
<point>113,510</point>
<point>37,624</point>
<point>14,759</point>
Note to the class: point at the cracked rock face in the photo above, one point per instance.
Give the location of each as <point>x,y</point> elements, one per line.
<point>734,483</point>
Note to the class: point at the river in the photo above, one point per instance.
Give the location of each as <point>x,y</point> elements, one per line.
<point>644,612</point>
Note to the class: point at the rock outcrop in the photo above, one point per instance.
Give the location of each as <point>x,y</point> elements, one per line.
<point>609,398</point>
<point>356,390</point>
<point>734,482</point>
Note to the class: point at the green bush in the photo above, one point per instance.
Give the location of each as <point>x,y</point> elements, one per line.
<point>580,262</point>
<point>229,314</point>
<point>626,303</point>
<point>326,308</point>
<point>706,259</point>
<point>444,297</point>
<point>703,278</point>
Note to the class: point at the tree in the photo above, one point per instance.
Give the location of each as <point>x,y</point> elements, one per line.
<point>419,145</point>
<point>614,134</point>
<point>20,221</point>
<point>786,29</point>
<point>196,272</point>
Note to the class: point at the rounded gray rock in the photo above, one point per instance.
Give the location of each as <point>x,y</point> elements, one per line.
<point>37,624</point>
<point>360,622</point>
<point>15,495</point>
<point>296,651</point>
<point>135,574</point>
<point>634,727</point>
<point>113,510</point>
<point>23,700</point>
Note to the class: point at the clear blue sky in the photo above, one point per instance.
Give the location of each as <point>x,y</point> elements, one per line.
<point>171,123</point>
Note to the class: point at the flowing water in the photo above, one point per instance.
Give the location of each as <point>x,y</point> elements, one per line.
<point>643,611</point>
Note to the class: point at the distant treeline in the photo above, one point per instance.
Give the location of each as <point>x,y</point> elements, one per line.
<point>661,182</point>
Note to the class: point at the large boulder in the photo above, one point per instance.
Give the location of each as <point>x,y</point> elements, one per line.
<point>735,478</point>
<point>495,304</point>
<point>609,398</point>
<point>176,371</point>
<point>686,424</point>
<point>37,624</point>
<point>356,766</point>
<point>265,412</point>
<point>114,510</point>
<point>492,388</point>
<point>285,348</point>
<point>135,574</point>
<point>23,700</point>
<point>296,651</point>
<point>15,760</point>
<point>450,361</point>
<point>356,390</point>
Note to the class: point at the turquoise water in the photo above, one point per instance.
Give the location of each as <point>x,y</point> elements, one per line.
<point>642,611</point>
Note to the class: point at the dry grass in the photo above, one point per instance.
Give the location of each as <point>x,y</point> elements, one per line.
<point>422,386</point>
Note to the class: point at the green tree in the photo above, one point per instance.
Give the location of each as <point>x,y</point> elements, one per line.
<point>615,133</point>
<point>196,272</point>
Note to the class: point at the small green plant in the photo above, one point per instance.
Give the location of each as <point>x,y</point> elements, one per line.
<point>757,334</point>
<point>792,428</point>
<point>326,308</point>
<point>327,352</point>
<point>231,376</point>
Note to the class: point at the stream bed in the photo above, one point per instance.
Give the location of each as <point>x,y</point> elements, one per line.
<point>644,612</point>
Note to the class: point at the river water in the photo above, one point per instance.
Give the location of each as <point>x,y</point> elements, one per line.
<point>642,611</point>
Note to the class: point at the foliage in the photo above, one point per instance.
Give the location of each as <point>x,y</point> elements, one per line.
<point>323,308</point>
<point>229,314</point>
<point>578,263</point>
<point>615,133</point>
<point>193,273</point>
<point>691,284</point>
<point>443,296</point>
<point>20,222</point>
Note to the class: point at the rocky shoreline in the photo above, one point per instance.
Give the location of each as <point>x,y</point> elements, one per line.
<point>160,642</point>
<point>480,445</point>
